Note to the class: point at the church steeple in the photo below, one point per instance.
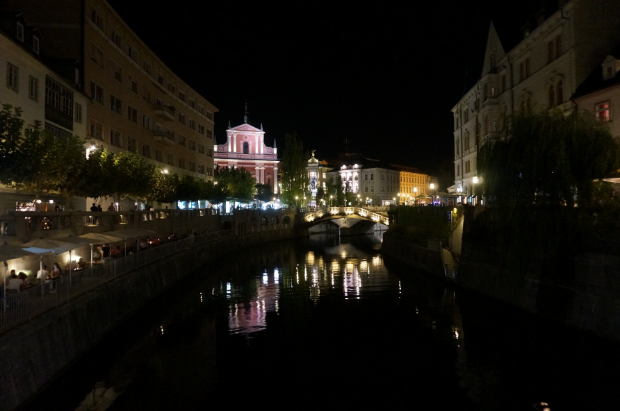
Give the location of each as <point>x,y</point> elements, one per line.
<point>245,117</point>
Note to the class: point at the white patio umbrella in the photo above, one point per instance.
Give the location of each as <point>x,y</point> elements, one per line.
<point>126,233</point>
<point>99,238</point>
<point>50,246</point>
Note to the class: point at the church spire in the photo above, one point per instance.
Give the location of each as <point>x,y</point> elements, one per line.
<point>245,117</point>
<point>261,127</point>
<point>229,124</point>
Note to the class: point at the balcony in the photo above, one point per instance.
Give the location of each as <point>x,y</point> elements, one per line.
<point>164,112</point>
<point>166,136</point>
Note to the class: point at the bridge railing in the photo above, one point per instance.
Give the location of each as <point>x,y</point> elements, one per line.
<point>333,211</point>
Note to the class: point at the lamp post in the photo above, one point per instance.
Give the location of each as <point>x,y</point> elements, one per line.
<point>296,202</point>
<point>331,201</point>
<point>358,199</point>
<point>415,191</point>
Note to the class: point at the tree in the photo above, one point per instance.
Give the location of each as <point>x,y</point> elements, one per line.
<point>264,192</point>
<point>234,184</point>
<point>294,173</point>
<point>132,177</point>
<point>547,158</point>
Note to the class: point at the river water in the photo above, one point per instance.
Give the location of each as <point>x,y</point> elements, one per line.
<point>324,323</point>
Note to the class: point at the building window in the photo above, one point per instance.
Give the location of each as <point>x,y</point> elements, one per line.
<point>246,147</point>
<point>95,129</point>
<point>181,95</point>
<point>181,118</point>
<point>182,163</point>
<point>201,149</point>
<point>192,103</point>
<point>58,96</point>
<point>146,66</point>
<point>132,114</point>
<point>372,176</point>
<point>503,83</point>
<point>116,38</point>
<point>57,132</point>
<point>201,129</point>
<point>201,169</point>
<point>146,122</point>
<point>551,94</point>
<point>160,79</point>
<point>33,88</point>
<point>96,92</point>
<point>12,77</point>
<point>116,104</point>
<point>465,115</point>
<point>182,141</point>
<point>210,134</point>
<point>192,166</point>
<point>458,170</point>
<point>159,155</point>
<point>201,110</point>
<point>146,150</point>
<point>96,18</point>
<point>133,84</point>
<point>20,32</point>
<point>466,142</point>
<point>192,145</point>
<point>209,115</point>
<point>526,105</point>
<point>115,138</point>
<point>116,71</point>
<point>554,48</point>
<point>96,55</point>
<point>524,69</point>
<point>210,153</point>
<point>192,124</point>
<point>147,94</point>
<point>35,44</point>
<point>603,112</point>
<point>171,88</point>
<point>78,113</point>
<point>132,53</point>
<point>559,92</point>
<point>171,159</point>
<point>132,145</point>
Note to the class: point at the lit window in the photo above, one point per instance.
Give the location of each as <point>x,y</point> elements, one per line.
<point>115,138</point>
<point>33,88</point>
<point>603,112</point>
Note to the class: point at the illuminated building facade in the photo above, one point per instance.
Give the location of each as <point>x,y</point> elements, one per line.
<point>245,148</point>
<point>370,182</point>
<point>559,50</point>
<point>317,178</point>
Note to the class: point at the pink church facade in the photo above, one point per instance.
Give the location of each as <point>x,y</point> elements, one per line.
<point>245,147</point>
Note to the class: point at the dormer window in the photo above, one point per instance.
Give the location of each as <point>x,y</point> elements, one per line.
<point>35,44</point>
<point>19,33</point>
<point>610,68</point>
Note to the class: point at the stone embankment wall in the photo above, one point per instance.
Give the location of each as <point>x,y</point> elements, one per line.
<point>35,353</point>
<point>421,258</point>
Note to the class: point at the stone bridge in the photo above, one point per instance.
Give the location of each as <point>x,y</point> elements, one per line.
<point>346,217</point>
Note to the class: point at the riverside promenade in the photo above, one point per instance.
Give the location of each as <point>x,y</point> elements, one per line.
<point>44,332</point>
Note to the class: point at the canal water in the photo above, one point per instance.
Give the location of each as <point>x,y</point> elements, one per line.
<point>326,323</point>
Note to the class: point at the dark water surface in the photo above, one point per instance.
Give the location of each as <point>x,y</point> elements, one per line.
<point>323,324</point>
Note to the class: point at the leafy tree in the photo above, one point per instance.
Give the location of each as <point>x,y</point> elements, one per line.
<point>264,192</point>
<point>294,169</point>
<point>547,158</point>
<point>234,184</point>
<point>132,176</point>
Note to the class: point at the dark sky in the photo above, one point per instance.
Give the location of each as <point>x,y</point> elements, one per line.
<point>383,74</point>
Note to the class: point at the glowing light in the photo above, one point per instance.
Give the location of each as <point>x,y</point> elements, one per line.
<point>475,180</point>
<point>38,201</point>
<point>51,201</point>
<point>432,186</point>
<point>165,171</point>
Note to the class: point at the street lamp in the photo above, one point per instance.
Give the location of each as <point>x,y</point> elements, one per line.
<point>432,186</point>
<point>296,202</point>
<point>331,202</point>
<point>358,199</point>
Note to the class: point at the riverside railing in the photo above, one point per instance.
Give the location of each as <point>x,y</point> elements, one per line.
<point>22,305</point>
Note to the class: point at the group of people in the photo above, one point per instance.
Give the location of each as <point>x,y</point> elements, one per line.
<point>20,282</point>
<point>97,208</point>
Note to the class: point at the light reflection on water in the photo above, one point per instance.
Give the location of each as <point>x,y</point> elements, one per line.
<point>288,314</point>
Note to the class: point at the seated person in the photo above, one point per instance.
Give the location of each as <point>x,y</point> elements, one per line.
<point>81,264</point>
<point>116,252</point>
<point>25,282</point>
<point>15,283</point>
<point>72,266</point>
<point>97,253</point>
<point>143,245</point>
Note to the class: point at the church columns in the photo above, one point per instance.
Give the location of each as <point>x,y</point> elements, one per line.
<point>234,143</point>
<point>275,180</point>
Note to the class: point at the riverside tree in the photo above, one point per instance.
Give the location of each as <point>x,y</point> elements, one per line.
<point>294,173</point>
<point>547,158</point>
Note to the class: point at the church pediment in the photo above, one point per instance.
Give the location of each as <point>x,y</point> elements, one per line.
<point>245,127</point>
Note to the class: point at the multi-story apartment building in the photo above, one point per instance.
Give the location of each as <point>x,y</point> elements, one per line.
<point>43,95</point>
<point>600,95</point>
<point>317,178</point>
<point>136,102</point>
<point>415,186</point>
<point>559,50</point>
<point>367,180</point>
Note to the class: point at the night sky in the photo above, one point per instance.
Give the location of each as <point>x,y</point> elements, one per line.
<point>383,74</point>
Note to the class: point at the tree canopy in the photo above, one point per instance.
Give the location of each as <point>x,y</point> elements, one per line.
<point>294,169</point>
<point>547,158</point>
